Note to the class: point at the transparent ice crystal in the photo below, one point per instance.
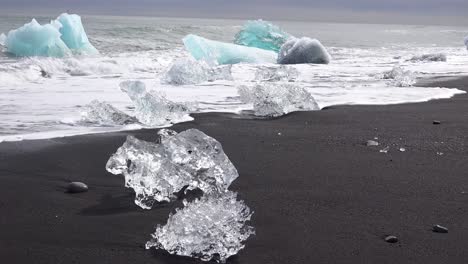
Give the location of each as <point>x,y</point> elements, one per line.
<point>157,170</point>
<point>281,73</point>
<point>190,71</point>
<point>210,228</point>
<point>271,100</point>
<point>153,108</point>
<point>429,57</point>
<point>261,34</point>
<point>105,114</point>
<point>400,77</point>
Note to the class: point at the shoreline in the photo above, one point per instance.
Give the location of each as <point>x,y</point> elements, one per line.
<point>319,194</point>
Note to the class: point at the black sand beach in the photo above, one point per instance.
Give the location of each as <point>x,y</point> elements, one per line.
<point>319,194</point>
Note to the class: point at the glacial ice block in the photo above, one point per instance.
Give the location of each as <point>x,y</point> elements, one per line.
<point>190,71</point>
<point>275,74</point>
<point>303,50</point>
<point>34,39</point>
<point>153,108</point>
<point>261,34</point>
<point>399,77</point>
<point>226,53</point>
<point>74,35</point>
<point>213,227</point>
<point>105,114</point>
<point>272,100</point>
<point>157,170</point>
<point>429,57</point>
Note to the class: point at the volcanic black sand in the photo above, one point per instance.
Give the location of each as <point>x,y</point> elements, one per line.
<point>319,194</point>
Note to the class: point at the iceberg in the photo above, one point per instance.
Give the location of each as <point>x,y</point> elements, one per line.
<point>429,57</point>
<point>261,34</point>
<point>73,34</point>
<point>303,50</point>
<point>400,77</point>
<point>61,37</point>
<point>190,71</point>
<point>226,53</point>
<point>157,170</point>
<point>274,74</point>
<point>213,227</point>
<point>103,113</point>
<point>272,100</point>
<point>152,108</point>
<point>34,39</point>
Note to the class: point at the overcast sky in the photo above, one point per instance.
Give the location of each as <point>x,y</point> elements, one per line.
<point>373,11</point>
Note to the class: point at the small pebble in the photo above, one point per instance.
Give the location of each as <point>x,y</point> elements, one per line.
<point>436,122</point>
<point>391,239</point>
<point>372,143</point>
<point>439,229</point>
<point>77,187</point>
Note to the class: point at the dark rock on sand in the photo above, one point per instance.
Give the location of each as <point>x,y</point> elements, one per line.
<point>439,229</point>
<point>77,187</point>
<point>391,239</point>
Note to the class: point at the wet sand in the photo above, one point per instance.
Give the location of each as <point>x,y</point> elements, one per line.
<point>320,195</point>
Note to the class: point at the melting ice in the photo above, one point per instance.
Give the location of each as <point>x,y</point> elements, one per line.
<point>429,57</point>
<point>400,77</point>
<point>210,228</point>
<point>261,34</point>
<point>303,50</point>
<point>189,71</point>
<point>272,100</point>
<point>103,113</point>
<point>273,73</point>
<point>157,170</point>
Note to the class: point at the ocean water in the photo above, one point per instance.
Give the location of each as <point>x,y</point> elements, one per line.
<point>142,48</point>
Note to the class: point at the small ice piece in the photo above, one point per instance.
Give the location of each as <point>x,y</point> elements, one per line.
<point>213,227</point>
<point>2,39</point>
<point>303,50</point>
<point>274,74</point>
<point>261,34</point>
<point>372,143</point>
<point>190,71</point>
<point>105,114</point>
<point>73,34</point>
<point>155,171</point>
<point>152,108</point>
<point>385,150</point>
<point>34,39</point>
<point>402,149</point>
<point>466,42</point>
<point>400,77</point>
<point>439,153</point>
<point>429,57</point>
<point>272,100</point>
<point>226,53</point>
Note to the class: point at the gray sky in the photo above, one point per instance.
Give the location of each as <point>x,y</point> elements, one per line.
<point>371,11</point>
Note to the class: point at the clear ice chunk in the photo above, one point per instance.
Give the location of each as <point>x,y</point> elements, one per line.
<point>272,100</point>
<point>190,71</point>
<point>103,113</point>
<point>2,39</point>
<point>74,35</point>
<point>261,34</point>
<point>466,42</point>
<point>303,50</point>
<point>429,57</point>
<point>226,53</point>
<point>273,74</point>
<point>157,170</point>
<point>34,39</point>
<point>153,108</point>
<point>399,77</point>
<point>213,227</point>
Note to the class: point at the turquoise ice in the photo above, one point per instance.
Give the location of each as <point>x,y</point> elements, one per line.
<point>74,35</point>
<point>226,53</point>
<point>261,34</point>
<point>61,37</point>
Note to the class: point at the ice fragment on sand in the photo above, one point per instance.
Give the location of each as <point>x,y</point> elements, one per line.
<point>74,35</point>
<point>261,34</point>
<point>226,53</point>
<point>277,99</point>
<point>303,50</point>
<point>429,57</point>
<point>152,108</point>
<point>189,71</point>
<point>372,143</point>
<point>281,73</point>
<point>157,170</point>
<point>105,114</point>
<point>400,77</point>
<point>211,228</point>
<point>385,150</point>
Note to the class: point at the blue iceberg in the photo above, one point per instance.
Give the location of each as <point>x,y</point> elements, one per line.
<point>226,53</point>
<point>74,35</point>
<point>261,34</point>
<point>303,50</point>
<point>34,39</point>
<point>62,37</point>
